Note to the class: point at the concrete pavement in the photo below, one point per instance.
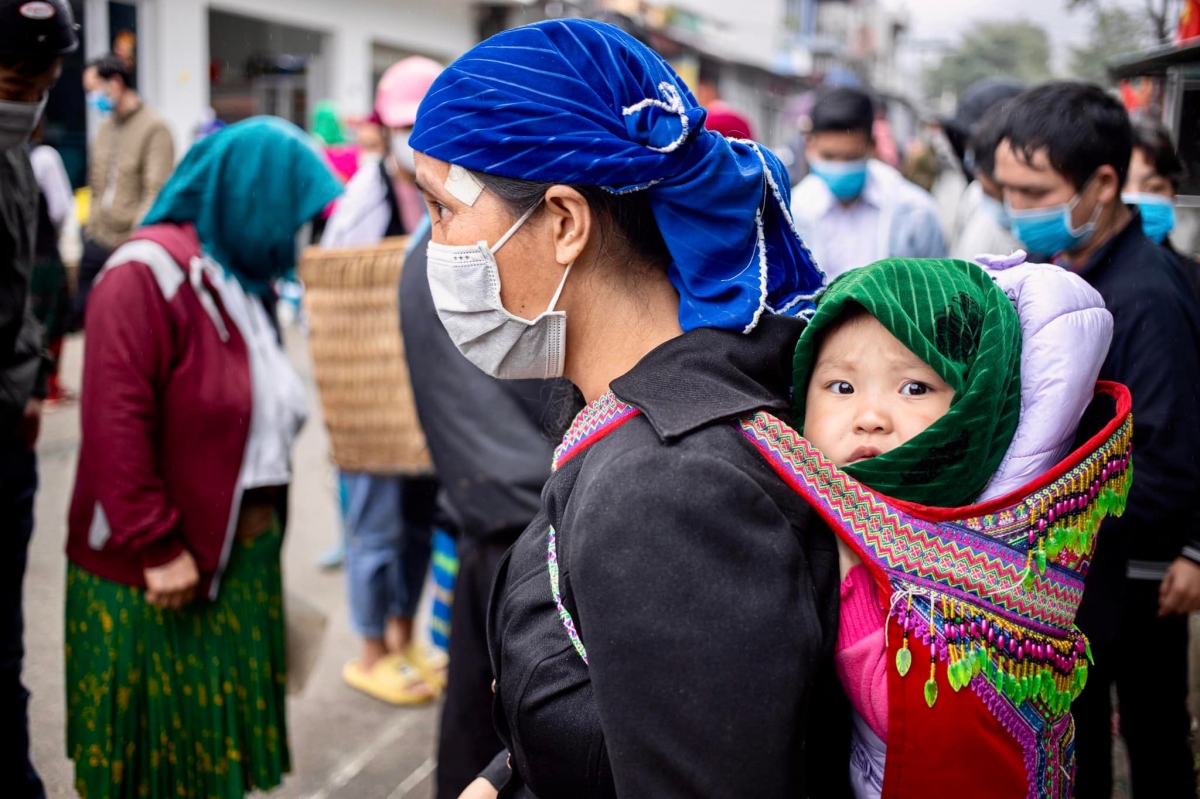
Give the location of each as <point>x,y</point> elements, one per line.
<point>344,745</point>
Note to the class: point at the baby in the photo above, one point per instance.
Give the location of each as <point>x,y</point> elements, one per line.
<point>914,378</point>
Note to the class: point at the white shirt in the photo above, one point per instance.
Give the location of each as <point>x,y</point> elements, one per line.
<point>850,233</point>
<point>279,404</point>
<point>977,232</point>
<point>892,218</point>
<point>362,213</point>
<point>53,181</point>
<point>60,200</point>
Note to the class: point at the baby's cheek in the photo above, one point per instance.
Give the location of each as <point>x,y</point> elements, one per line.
<point>927,419</point>
<point>823,432</point>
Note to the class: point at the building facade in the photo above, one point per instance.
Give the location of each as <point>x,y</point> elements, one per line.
<point>239,58</point>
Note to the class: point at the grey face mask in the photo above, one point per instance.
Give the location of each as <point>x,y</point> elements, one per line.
<point>465,283</point>
<point>17,121</point>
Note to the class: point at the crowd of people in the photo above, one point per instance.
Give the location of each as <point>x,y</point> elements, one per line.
<point>758,489</point>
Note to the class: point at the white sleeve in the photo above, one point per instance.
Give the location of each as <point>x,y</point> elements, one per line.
<point>361,215</point>
<point>982,235</point>
<point>54,183</point>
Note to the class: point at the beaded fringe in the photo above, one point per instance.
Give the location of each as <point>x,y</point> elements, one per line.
<point>1023,664</point>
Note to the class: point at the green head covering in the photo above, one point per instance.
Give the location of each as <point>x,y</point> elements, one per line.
<point>952,316</point>
<point>326,125</point>
<point>248,189</point>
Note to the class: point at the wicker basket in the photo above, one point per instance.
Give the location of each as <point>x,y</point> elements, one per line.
<point>358,358</point>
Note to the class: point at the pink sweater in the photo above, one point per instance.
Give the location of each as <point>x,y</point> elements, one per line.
<point>861,656</point>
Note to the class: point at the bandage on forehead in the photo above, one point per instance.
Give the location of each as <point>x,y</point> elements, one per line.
<point>462,185</point>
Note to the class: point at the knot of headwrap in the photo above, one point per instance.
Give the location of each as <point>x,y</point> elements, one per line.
<point>662,125</point>
<point>954,317</point>
<point>581,102</point>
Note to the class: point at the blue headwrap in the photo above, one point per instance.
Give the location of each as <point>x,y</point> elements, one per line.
<point>581,102</point>
<point>248,188</point>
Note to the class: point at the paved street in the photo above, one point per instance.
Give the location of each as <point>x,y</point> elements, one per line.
<point>344,745</point>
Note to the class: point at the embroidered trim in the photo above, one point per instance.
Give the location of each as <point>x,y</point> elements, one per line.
<point>599,418</point>
<point>1048,747</point>
<point>993,597</point>
<point>968,564</point>
<point>563,614</point>
<point>1019,728</point>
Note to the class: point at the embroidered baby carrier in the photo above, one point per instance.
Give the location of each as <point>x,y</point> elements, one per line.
<point>981,628</point>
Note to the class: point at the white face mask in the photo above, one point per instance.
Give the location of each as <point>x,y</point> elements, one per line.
<point>465,283</point>
<point>18,121</point>
<point>402,152</point>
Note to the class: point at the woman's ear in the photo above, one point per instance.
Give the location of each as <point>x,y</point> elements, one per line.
<point>572,221</point>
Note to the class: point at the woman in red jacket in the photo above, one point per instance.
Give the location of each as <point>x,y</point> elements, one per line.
<point>175,636</point>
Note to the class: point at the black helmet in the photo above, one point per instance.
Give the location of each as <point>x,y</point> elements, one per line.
<point>31,28</point>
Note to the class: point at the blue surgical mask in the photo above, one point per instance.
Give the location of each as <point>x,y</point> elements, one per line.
<point>100,101</point>
<point>1158,214</point>
<point>845,179</point>
<point>995,211</point>
<point>1049,230</point>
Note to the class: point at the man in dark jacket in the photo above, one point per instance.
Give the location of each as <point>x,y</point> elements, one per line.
<point>491,442</point>
<point>1062,161</point>
<point>33,39</point>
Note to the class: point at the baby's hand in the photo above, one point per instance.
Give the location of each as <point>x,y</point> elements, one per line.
<point>847,560</point>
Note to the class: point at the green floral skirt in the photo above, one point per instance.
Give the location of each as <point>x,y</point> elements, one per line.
<point>187,703</point>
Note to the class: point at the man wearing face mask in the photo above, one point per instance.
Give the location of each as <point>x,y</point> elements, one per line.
<point>131,158</point>
<point>853,209</point>
<point>1063,158</point>
<point>34,36</point>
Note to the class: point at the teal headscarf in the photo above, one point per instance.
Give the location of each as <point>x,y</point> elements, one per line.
<point>248,189</point>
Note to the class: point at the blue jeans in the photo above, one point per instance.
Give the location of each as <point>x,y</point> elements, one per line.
<point>18,483</point>
<point>389,525</point>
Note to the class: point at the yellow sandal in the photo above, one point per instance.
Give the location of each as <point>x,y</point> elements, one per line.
<point>431,662</point>
<point>393,679</point>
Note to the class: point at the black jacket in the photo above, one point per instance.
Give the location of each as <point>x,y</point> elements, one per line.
<point>23,369</point>
<point>705,596</point>
<point>1190,267</point>
<point>1156,353</point>
<point>490,439</point>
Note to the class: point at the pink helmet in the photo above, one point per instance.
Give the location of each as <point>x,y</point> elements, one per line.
<point>402,88</point>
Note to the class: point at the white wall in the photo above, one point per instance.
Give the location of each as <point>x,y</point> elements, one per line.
<point>180,71</point>
<point>176,71</point>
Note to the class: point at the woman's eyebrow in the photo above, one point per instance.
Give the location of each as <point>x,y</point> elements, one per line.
<point>434,193</point>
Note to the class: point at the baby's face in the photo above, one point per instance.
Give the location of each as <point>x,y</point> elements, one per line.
<point>868,393</point>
